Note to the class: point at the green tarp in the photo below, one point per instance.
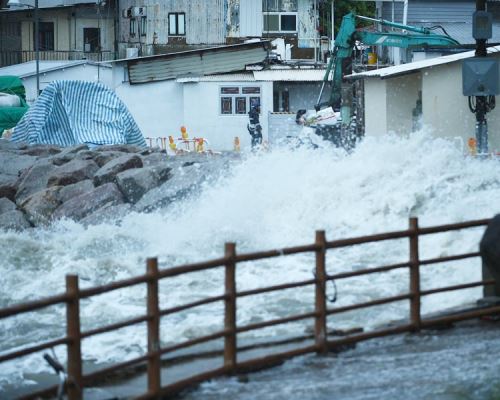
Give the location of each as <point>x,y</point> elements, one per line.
<point>10,116</point>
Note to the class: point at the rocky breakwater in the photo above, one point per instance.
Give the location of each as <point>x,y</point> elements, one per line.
<point>41,184</point>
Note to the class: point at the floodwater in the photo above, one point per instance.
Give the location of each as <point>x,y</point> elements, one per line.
<point>268,200</point>
<point>457,364</point>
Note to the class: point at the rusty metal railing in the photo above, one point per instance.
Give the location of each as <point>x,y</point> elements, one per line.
<point>13,57</point>
<point>153,357</point>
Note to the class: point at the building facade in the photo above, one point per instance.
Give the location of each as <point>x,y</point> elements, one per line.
<point>424,94</point>
<point>154,27</point>
<point>74,30</point>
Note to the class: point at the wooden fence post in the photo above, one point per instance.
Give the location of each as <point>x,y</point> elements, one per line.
<point>153,309</point>
<point>75,382</point>
<point>320,323</point>
<point>414,275</point>
<point>230,309</point>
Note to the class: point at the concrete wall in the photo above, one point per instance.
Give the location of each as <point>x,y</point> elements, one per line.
<point>156,107</point>
<point>161,108</point>
<point>446,110</point>
<point>203,118</point>
<point>402,95</point>
<point>375,107</point>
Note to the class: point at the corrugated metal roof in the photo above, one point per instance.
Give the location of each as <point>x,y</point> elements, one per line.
<point>26,69</point>
<point>418,65</point>
<point>290,75</point>
<point>197,62</point>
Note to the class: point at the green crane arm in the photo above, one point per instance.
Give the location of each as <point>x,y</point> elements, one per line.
<point>348,35</point>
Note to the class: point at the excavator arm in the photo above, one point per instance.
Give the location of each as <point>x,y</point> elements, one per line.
<point>348,35</point>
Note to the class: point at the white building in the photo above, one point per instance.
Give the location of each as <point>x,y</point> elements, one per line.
<point>216,107</point>
<point>166,92</point>
<point>50,71</point>
<point>391,96</point>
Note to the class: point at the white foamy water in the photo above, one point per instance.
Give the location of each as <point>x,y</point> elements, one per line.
<point>269,200</point>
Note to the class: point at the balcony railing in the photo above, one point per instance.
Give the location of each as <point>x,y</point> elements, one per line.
<point>16,57</point>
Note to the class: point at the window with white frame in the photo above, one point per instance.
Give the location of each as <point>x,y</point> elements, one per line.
<point>176,24</point>
<point>280,22</point>
<point>238,100</point>
<point>280,15</point>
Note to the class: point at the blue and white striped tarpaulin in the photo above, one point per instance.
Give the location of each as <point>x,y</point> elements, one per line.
<point>74,112</point>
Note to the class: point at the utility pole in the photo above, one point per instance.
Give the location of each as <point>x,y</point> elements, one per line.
<point>480,76</point>
<point>481,123</point>
<point>480,43</point>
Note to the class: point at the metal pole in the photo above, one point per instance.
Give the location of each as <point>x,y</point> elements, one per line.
<point>37,49</point>
<point>333,24</point>
<point>414,276</point>
<point>230,348</point>
<point>481,123</point>
<point>315,11</point>
<point>75,382</point>
<point>320,323</point>
<point>154,361</point>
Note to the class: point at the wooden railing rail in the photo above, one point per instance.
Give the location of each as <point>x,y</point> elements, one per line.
<point>187,306</point>
<point>125,283</point>
<point>457,287</point>
<point>453,227</point>
<point>275,288</point>
<point>32,305</point>
<point>368,271</point>
<point>115,326</point>
<point>372,303</point>
<point>230,262</point>
<point>449,258</point>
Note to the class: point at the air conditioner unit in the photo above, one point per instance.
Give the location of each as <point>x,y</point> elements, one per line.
<point>138,11</point>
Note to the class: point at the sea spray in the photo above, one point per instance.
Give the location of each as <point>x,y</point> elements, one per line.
<point>269,200</point>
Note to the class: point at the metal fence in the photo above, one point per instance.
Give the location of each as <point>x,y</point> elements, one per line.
<point>16,57</point>
<point>231,260</point>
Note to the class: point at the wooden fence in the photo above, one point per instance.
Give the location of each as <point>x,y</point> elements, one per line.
<point>153,357</point>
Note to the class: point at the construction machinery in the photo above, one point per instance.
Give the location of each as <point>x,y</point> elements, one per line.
<point>345,131</point>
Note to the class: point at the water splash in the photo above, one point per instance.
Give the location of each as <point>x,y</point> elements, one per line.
<point>268,200</point>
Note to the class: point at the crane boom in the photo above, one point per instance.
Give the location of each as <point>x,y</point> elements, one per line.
<point>348,35</point>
